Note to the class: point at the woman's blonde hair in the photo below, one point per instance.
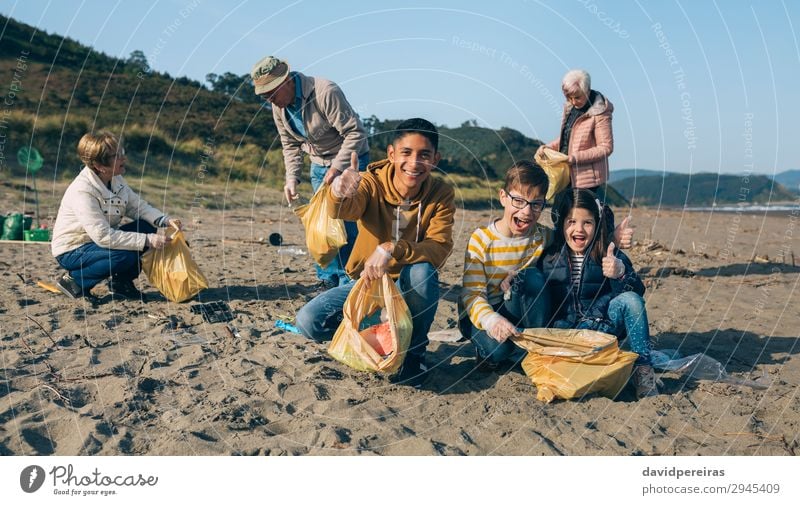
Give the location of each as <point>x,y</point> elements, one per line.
<point>98,149</point>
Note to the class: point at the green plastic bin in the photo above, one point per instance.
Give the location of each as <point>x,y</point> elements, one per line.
<point>38,235</point>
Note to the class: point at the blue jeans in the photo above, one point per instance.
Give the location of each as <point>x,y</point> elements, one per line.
<point>419,285</point>
<point>627,315</point>
<point>89,264</point>
<point>529,307</point>
<point>334,273</point>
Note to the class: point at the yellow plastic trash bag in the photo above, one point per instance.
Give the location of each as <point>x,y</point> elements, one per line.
<point>360,349</point>
<point>556,167</point>
<point>324,235</point>
<point>572,363</point>
<point>172,270</point>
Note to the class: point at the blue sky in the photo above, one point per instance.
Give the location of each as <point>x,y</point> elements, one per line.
<point>697,86</point>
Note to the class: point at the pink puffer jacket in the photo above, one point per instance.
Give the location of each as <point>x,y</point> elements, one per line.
<point>591,142</point>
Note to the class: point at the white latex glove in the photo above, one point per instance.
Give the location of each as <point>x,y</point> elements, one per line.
<point>375,266</point>
<point>346,185</point>
<point>498,327</point>
<point>623,233</point>
<point>290,191</point>
<point>613,267</point>
<point>156,241</point>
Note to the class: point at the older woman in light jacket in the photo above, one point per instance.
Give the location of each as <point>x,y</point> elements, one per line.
<point>88,240</point>
<point>586,136</point>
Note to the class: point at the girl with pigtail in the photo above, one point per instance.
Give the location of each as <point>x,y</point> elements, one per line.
<point>592,284</point>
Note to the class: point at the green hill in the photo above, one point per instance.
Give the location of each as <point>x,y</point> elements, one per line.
<point>618,174</point>
<point>170,125</point>
<point>676,190</point>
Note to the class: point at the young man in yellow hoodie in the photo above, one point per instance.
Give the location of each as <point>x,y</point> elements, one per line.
<point>405,228</point>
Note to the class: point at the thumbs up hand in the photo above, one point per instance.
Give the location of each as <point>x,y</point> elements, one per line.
<point>623,233</point>
<point>613,268</point>
<point>346,185</point>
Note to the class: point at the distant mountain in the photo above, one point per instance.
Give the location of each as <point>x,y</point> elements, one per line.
<point>618,174</point>
<point>790,179</point>
<point>676,190</point>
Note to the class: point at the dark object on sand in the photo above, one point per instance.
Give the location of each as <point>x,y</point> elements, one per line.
<point>275,239</point>
<point>213,312</point>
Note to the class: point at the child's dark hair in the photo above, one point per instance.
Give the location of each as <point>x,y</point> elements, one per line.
<point>420,126</point>
<point>527,173</point>
<point>574,198</point>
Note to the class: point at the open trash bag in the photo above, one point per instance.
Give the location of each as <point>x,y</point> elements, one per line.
<point>172,270</point>
<point>556,167</point>
<point>378,348</point>
<point>324,235</point>
<point>572,363</point>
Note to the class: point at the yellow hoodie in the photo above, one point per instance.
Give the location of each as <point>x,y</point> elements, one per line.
<point>428,236</point>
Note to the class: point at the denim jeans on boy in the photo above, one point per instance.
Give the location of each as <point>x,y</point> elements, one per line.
<point>89,264</point>
<point>529,307</point>
<point>419,285</point>
<point>627,316</point>
<point>334,273</point>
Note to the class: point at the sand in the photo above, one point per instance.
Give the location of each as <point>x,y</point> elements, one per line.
<point>152,378</point>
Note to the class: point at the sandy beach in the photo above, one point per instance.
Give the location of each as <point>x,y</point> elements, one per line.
<point>152,378</point>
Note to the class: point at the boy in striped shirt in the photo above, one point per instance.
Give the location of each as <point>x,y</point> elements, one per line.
<point>494,303</point>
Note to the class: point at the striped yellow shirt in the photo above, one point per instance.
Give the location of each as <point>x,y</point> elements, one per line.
<point>489,258</point>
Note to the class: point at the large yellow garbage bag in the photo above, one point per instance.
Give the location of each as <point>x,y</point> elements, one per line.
<point>572,363</point>
<point>172,270</point>
<point>324,235</point>
<point>556,167</point>
<point>366,350</point>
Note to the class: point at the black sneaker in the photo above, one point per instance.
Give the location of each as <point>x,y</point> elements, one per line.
<point>413,372</point>
<point>67,285</point>
<point>124,289</point>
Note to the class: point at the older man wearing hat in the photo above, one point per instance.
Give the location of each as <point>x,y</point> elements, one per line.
<point>313,116</point>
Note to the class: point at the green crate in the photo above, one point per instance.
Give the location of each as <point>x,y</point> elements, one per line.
<point>39,235</point>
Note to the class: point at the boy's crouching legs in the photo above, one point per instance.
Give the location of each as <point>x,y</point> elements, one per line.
<point>419,285</point>
<point>530,301</point>
<point>319,318</point>
<point>490,352</point>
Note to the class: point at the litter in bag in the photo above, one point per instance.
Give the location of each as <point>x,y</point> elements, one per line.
<point>324,235</point>
<point>172,270</point>
<point>378,348</point>
<point>572,363</point>
<point>556,167</point>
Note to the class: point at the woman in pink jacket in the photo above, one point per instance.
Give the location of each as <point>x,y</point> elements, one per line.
<point>586,136</point>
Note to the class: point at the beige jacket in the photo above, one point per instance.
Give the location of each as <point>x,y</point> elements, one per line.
<point>591,142</point>
<point>333,128</point>
<point>90,212</point>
